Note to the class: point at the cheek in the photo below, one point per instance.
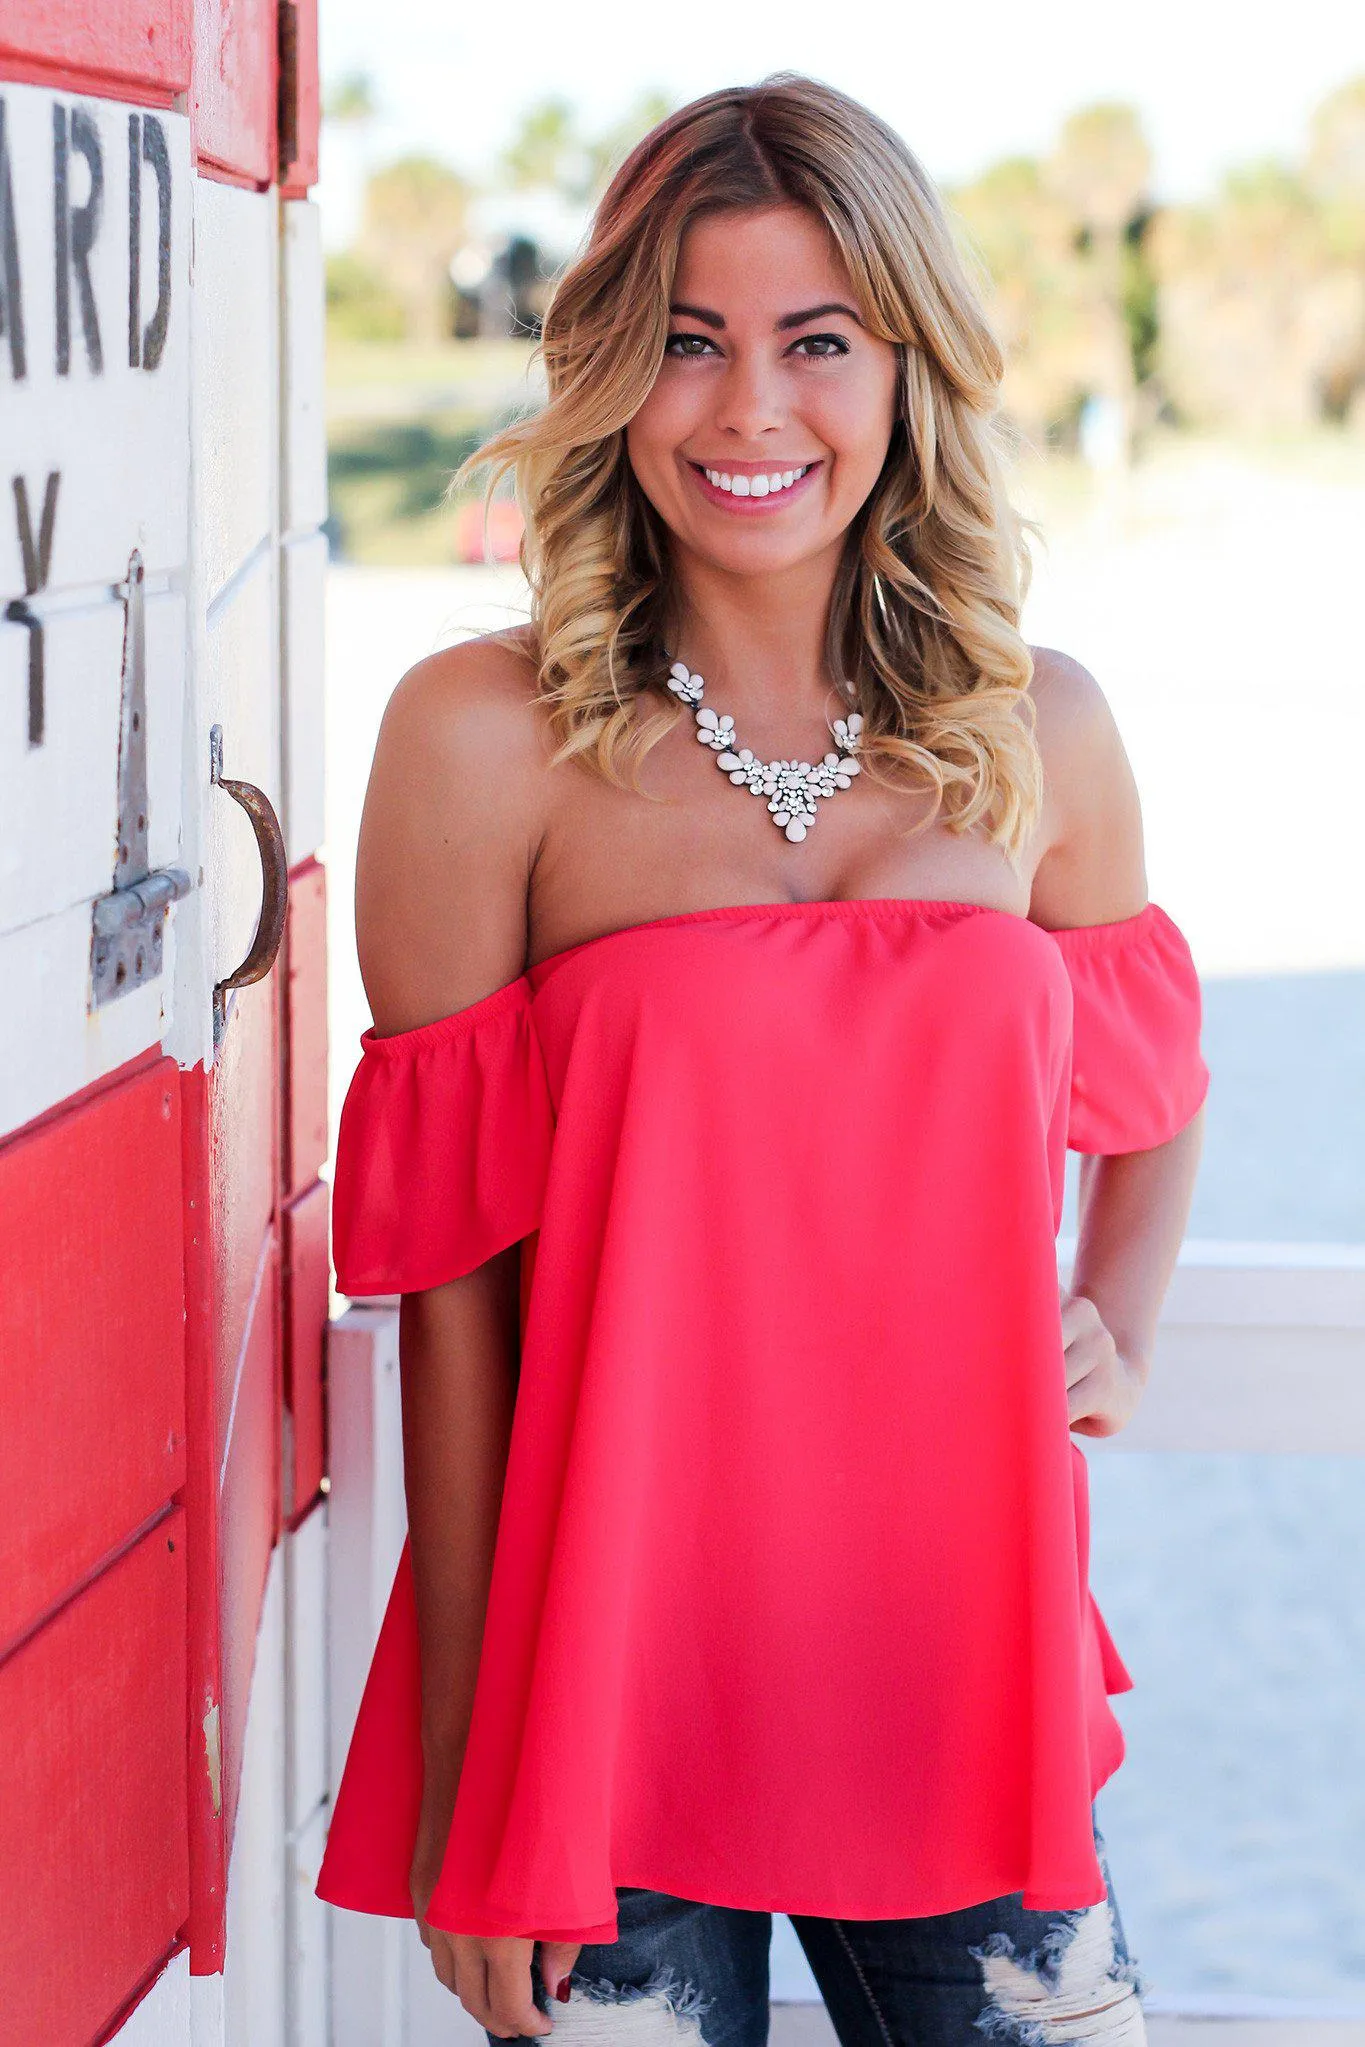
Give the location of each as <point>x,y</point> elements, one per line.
<point>647,453</point>
<point>662,422</point>
<point>856,422</point>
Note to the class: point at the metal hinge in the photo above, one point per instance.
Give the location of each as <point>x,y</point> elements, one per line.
<point>126,926</point>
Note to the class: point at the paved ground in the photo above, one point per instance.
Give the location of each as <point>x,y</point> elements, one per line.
<point>807,2025</point>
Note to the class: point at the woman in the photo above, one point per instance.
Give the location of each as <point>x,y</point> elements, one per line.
<point>718,1166</point>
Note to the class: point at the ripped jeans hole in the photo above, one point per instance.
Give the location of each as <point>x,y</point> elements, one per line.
<point>660,2012</point>
<point>1074,1988</point>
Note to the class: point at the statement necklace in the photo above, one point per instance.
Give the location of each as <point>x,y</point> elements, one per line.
<point>792,788</point>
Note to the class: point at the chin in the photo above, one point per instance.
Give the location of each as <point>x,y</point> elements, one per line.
<point>757,561</point>
<point>754,552</point>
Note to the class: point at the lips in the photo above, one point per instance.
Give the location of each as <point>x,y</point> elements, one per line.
<point>752,489</point>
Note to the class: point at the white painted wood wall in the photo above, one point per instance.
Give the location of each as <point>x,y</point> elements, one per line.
<point>119,441</point>
<point>216,469</point>
<point>1262,1350</point>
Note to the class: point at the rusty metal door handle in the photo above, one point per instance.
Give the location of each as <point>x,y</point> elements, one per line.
<point>274,873</point>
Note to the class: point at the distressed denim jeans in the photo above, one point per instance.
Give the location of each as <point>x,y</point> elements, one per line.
<point>682,1974</point>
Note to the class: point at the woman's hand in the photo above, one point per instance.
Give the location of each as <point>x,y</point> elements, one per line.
<point>491,1977</point>
<point>1102,1390</point>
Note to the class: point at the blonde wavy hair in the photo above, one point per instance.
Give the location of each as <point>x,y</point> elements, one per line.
<point>923,629</point>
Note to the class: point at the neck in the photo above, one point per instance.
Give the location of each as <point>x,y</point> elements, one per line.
<point>758,641</point>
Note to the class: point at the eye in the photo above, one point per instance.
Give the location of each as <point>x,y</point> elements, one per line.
<point>682,345</point>
<point>823,347</point>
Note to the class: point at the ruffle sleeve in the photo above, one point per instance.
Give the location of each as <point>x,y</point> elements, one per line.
<point>442,1148</point>
<point>1137,1068</point>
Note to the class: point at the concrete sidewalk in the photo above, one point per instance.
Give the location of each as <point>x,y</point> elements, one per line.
<point>807,2025</point>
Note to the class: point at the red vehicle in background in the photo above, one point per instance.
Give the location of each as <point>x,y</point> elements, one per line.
<point>498,539</point>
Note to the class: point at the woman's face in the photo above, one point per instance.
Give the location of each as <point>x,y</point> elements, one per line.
<point>769,420</point>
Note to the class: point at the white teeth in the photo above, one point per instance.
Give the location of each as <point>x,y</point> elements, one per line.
<point>754,486</point>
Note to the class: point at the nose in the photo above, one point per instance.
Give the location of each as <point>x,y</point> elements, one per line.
<point>750,401</point>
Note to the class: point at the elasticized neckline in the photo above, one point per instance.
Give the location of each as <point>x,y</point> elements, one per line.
<point>443,1029</point>
<point>924,906</point>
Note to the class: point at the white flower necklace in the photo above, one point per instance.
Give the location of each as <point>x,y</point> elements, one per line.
<point>793,788</point>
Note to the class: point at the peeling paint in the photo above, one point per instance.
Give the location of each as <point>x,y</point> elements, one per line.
<point>213,1755</point>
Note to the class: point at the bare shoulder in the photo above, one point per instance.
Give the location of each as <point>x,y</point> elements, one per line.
<point>1073,712</point>
<point>449,832</point>
<point>461,696</point>
<point>1092,867</point>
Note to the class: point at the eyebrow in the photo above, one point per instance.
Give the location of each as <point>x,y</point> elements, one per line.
<point>788,320</point>
<point>818,313</point>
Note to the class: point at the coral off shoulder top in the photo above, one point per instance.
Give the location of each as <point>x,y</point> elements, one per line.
<point>789,1605</point>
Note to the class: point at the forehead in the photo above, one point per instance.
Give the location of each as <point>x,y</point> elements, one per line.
<point>760,262</point>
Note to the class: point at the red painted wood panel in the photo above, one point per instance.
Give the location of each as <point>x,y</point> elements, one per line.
<point>299,112</point>
<point>92,1822</point>
<point>306,1026</point>
<point>231,1118</point>
<point>202,1742</point>
<point>92,1335</point>
<point>249,1521</point>
<point>303,172</point>
<point>233,89</point>
<point>307,1278</point>
<point>244,1165</point>
<point>105,49</point>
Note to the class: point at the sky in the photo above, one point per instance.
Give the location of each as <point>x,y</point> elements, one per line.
<point>1217,82</point>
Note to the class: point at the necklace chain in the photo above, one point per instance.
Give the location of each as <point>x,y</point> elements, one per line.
<point>793,788</point>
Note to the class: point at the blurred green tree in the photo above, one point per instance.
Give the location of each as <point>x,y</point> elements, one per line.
<point>1063,241</point>
<point>351,98</point>
<point>1335,169</point>
<point>1023,236</point>
<point>614,144</point>
<point>551,150</point>
<point>415,218</point>
<point>547,150</point>
<point>1101,172</point>
<point>1335,174</point>
<point>360,305</point>
<point>1262,320</point>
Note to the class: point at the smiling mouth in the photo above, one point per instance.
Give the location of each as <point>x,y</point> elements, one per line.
<point>751,485</point>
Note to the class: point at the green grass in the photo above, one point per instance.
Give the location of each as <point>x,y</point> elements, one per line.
<point>400,420</point>
<point>386,483</point>
<point>355,364</point>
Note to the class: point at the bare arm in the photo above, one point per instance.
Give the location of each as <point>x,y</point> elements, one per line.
<point>1133,1207</point>
<point>445,854</point>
